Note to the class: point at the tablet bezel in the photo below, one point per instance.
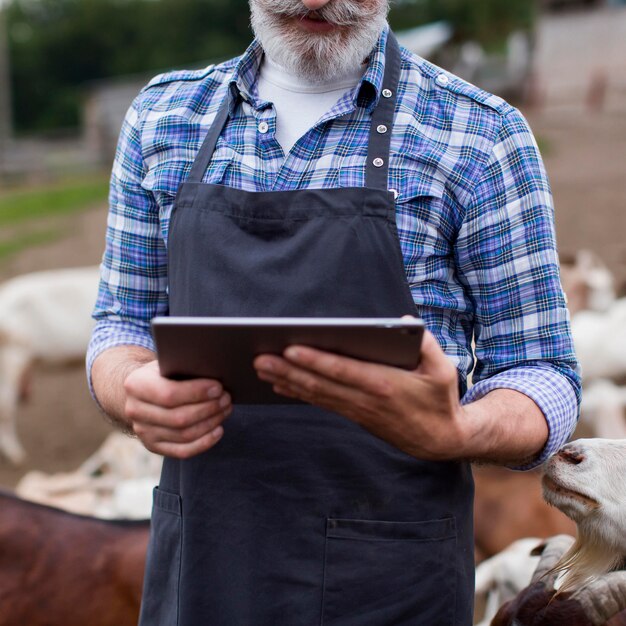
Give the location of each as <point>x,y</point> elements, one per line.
<point>224,348</point>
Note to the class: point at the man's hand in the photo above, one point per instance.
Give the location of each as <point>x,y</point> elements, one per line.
<point>175,418</point>
<point>417,411</point>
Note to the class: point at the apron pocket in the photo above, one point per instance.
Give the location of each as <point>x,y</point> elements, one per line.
<point>159,604</point>
<point>389,573</point>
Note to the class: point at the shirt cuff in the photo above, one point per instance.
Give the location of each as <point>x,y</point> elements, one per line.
<point>109,334</point>
<point>552,393</point>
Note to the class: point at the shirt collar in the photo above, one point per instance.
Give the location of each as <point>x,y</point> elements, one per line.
<point>243,80</point>
<point>368,93</point>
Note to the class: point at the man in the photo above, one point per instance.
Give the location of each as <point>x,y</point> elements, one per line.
<point>326,172</point>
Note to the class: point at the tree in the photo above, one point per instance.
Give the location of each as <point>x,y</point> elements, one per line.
<point>57,46</point>
<point>5,90</point>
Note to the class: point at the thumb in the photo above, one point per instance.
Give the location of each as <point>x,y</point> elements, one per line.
<point>434,361</point>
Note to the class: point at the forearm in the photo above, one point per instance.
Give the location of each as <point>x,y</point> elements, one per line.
<point>108,373</point>
<point>504,427</point>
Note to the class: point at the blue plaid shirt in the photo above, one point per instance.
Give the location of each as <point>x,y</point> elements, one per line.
<point>474,213</point>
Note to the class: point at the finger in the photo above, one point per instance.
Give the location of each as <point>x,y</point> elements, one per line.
<point>148,385</point>
<point>180,417</point>
<point>372,378</point>
<point>295,382</point>
<point>187,450</point>
<point>159,434</point>
<point>434,361</point>
<point>341,401</point>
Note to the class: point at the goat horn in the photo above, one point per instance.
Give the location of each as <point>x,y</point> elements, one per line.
<point>604,597</point>
<point>551,551</point>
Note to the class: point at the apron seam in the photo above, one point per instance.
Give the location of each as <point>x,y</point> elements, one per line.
<point>324,575</point>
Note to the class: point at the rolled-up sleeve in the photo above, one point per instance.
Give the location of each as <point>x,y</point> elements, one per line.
<point>133,283</point>
<point>507,260</point>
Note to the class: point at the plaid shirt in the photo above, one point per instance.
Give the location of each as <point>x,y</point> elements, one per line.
<point>474,213</point>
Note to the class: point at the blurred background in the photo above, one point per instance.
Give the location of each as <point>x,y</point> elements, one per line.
<point>69,69</point>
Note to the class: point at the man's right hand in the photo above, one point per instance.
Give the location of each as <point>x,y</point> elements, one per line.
<point>174,418</point>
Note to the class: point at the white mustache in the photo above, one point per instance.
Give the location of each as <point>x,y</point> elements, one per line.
<point>337,12</point>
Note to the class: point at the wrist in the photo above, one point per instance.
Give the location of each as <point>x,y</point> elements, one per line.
<point>504,427</point>
<point>109,373</point>
<point>477,433</point>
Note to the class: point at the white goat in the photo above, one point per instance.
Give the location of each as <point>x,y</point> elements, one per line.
<point>602,409</point>
<point>599,333</point>
<point>116,481</point>
<point>587,282</point>
<point>585,480</point>
<point>501,577</point>
<point>582,581</point>
<point>44,316</point>
<point>598,318</point>
<point>600,341</point>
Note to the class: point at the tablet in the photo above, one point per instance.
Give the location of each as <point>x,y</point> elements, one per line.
<point>224,348</point>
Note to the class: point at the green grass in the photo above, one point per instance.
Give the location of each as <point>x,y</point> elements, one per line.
<point>32,216</point>
<point>60,199</point>
<point>26,240</point>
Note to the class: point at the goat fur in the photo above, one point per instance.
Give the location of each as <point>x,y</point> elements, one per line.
<point>585,481</point>
<point>44,316</point>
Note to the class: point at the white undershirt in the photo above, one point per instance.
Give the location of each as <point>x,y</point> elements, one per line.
<point>298,103</point>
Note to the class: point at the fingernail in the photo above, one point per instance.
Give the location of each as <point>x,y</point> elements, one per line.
<point>265,365</point>
<point>214,392</point>
<point>224,402</point>
<point>292,353</point>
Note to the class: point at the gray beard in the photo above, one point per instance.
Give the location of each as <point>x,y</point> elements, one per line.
<point>320,57</point>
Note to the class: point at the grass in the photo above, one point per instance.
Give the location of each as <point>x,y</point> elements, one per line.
<point>32,216</point>
<point>60,199</point>
<point>26,240</point>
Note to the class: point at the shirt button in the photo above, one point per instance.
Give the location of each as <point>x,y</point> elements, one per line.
<point>442,80</point>
<point>263,127</point>
<point>395,193</point>
<point>382,129</point>
<point>387,93</point>
<point>378,162</point>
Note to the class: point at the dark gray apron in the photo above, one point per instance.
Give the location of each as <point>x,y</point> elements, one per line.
<point>299,517</point>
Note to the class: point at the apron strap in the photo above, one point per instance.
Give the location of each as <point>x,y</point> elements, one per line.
<point>205,154</point>
<point>377,171</point>
<point>379,148</point>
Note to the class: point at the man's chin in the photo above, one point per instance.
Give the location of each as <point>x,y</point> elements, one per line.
<point>313,49</point>
<point>314,55</point>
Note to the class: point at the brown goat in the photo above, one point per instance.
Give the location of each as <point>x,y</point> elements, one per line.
<point>62,569</point>
<point>598,603</point>
<point>537,606</point>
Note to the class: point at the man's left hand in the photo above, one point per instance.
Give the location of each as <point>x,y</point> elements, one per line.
<point>417,411</point>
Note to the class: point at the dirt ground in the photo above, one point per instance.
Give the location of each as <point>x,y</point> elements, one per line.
<point>584,149</point>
